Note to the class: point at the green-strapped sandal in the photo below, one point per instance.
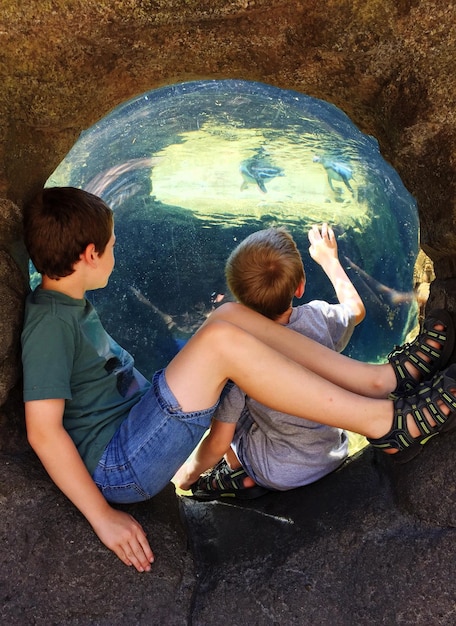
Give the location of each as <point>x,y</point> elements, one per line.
<point>223,482</point>
<point>425,399</point>
<point>423,357</point>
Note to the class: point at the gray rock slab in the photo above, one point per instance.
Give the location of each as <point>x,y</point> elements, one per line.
<point>54,570</point>
<point>349,550</point>
<point>338,552</point>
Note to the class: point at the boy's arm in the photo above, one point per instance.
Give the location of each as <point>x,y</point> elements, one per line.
<point>323,250</point>
<point>118,530</point>
<point>209,452</point>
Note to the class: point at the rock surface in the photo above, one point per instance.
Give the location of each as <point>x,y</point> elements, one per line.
<point>344,551</point>
<point>366,545</point>
<point>337,552</point>
<point>55,571</point>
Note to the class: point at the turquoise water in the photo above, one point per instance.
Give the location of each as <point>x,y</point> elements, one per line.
<point>193,168</point>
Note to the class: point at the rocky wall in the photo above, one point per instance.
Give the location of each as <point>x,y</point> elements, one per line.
<point>390,66</point>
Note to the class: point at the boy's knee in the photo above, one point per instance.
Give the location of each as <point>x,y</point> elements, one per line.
<point>215,328</point>
<point>219,334</point>
<point>225,311</point>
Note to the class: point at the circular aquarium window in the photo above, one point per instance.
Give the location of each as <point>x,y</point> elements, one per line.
<point>192,169</point>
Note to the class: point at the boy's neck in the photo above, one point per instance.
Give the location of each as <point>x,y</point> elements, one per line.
<point>285,317</point>
<point>68,285</point>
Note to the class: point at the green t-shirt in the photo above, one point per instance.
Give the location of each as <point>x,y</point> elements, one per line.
<point>66,353</point>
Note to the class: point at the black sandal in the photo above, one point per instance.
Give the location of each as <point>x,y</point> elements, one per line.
<point>443,388</point>
<point>412,352</point>
<point>223,482</point>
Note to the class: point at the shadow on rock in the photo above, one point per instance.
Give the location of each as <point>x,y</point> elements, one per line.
<point>339,551</point>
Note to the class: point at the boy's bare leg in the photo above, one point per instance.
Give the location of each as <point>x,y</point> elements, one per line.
<point>372,380</point>
<point>232,460</point>
<point>221,351</point>
<point>234,463</point>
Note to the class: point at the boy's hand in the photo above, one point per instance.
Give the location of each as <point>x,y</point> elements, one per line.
<point>323,250</point>
<point>323,245</point>
<point>183,477</point>
<point>209,452</point>
<point>122,534</point>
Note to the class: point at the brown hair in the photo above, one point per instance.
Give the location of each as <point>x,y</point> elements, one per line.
<point>59,224</point>
<point>265,270</point>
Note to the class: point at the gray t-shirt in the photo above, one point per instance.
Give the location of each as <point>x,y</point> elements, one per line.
<point>281,451</point>
<point>67,354</point>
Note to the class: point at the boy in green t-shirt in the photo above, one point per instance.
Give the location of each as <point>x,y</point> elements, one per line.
<point>106,435</point>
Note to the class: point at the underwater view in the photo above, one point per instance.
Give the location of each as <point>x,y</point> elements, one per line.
<point>192,169</point>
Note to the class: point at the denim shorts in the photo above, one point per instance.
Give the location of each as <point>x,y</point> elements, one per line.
<point>151,444</point>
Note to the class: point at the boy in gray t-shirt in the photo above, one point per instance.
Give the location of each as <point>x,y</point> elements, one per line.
<point>266,449</point>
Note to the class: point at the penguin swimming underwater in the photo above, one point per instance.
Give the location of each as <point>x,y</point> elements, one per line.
<point>258,170</point>
<point>336,170</point>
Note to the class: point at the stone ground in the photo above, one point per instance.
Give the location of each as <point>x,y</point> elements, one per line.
<point>336,552</point>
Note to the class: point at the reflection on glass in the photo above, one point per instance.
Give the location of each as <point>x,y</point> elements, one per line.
<point>192,169</point>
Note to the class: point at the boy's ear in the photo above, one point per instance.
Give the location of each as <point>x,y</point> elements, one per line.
<point>89,255</point>
<point>300,289</point>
